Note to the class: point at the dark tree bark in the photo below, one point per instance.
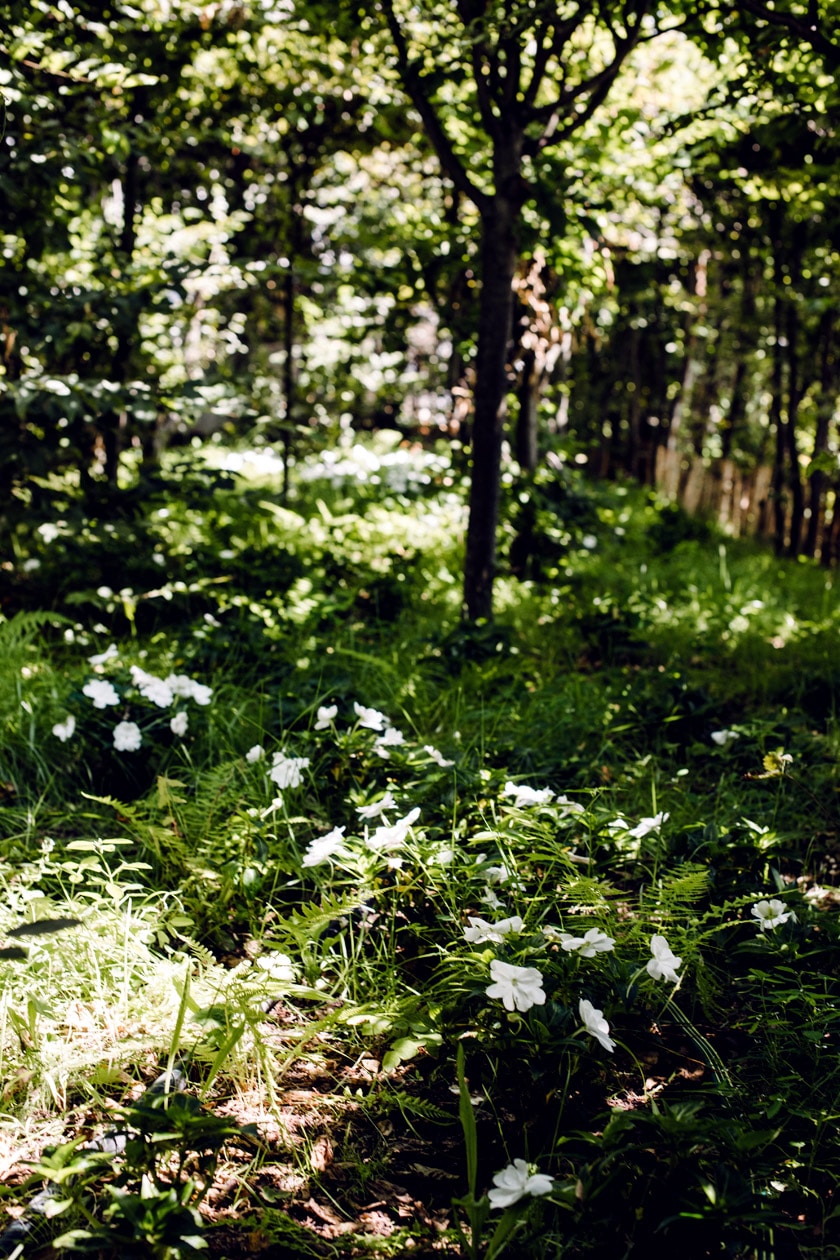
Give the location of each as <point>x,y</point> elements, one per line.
<point>499,256</point>
<point>818,479</point>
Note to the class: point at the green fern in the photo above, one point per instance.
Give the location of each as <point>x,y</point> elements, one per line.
<point>672,895</point>
<point>310,921</point>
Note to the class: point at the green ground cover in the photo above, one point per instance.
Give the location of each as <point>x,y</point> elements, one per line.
<point>391,903</point>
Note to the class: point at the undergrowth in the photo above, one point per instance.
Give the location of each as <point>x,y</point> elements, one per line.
<point>307,838</point>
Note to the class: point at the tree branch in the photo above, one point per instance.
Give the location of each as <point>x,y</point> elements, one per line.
<point>807,29</point>
<point>413,80</point>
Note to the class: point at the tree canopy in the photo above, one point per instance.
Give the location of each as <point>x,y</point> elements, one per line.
<point>607,229</point>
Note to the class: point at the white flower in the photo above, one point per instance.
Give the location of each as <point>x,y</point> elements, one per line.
<point>524,795</point>
<point>278,966</point>
<point>256,753</point>
<point>325,716</point>
<point>179,723</point>
<point>437,756</point>
<point>180,685</point>
<point>393,837</point>
<point>496,874</point>
<point>570,807</point>
<point>101,657</point>
<point>188,689</point>
<point>595,1024</point>
<point>391,738</point>
<point>647,825</point>
<point>514,1182</point>
<point>127,737</point>
<point>663,965</point>
<point>480,930</point>
<point>64,730</point>
<point>770,914</point>
<point>201,693</point>
<point>371,718</point>
<point>152,687</point>
<point>286,771</point>
<point>516,987</point>
<point>325,847</point>
<point>591,943</point>
<point>722,738</point>
<point>490,899</point>
<point>377,808</point>
<point>276,804</point>
<point>101,693</point>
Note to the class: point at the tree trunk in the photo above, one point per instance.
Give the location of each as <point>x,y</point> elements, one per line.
<point>794,392</point>
<point>778,425</point>
<point>527,450</point>
<point>495,319</point>
<point>818,479</point>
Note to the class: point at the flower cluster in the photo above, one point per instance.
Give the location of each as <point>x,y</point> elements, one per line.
<point>162,693</point>
<point>520,988</point>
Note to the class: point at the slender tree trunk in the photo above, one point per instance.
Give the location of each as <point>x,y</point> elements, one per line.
<point>777,423</point>
<point>527,450</point>
<point>498,268</point>
<point>794,392</point>
<point>288,371</point>
<point>818,479</point>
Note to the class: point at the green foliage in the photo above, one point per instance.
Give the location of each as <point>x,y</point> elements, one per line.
<point>359,804</point>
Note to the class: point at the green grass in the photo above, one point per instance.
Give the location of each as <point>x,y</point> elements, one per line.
<point>211,935</point>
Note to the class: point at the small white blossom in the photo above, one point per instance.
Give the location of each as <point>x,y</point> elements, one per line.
<point>325,847</point>
<point>524,795</point>
<point>770,914</point>
<point>517,988</point>
<point>664,963</point>
<point>377,808</point>
<point>101,657</point>
<point>393,837</point>
<point>152,688</point>
<point>514,1182</point>
<point>391,738</point>
<point>255,753</point>
<point>188,689</point>
<point>201,693</point>
<point>370,718</point>
<point>286,771</point>
<point>127,737</point>
<point>276,804</point>
<point>647,825</point>
<point>569,807</point>
<point>278,966</point>
<point>325,716</point>
<point>179,723</point>
<point>437,756</point>
<point>101,693</point>
<point>595,1024</point>
<point>722,738</point>
<point>490,899</point>
<point>480,930</point>
<point>64,730</point>
<point>591,943</point>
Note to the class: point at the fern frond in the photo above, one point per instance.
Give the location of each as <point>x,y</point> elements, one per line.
<point>676,893</point>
